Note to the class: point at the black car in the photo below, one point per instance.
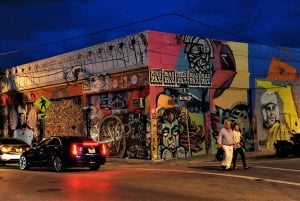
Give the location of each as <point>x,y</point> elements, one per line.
<point>61,152</point>
<point>11,149</point>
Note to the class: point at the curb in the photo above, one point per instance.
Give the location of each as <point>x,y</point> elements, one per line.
<point>182,161</point>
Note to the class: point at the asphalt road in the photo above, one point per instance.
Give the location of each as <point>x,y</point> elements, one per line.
<point>267,179</point>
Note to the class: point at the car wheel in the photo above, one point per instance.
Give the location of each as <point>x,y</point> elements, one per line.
<point>58,164</point>
<point>95,167</point>
<point>23,163</point>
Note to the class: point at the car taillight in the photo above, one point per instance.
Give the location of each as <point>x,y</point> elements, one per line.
<point>74,149</point>
<point>90,144</point>
<point>27,148</point>
<point>104,149</point>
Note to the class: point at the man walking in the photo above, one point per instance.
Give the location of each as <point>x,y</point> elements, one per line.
<point>225,141</point>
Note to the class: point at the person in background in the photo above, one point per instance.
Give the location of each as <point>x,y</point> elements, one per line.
<point>238,147</point>
<point>225,141</point>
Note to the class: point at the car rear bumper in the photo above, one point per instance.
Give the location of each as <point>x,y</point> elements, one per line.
<point>89,160</point>
<point>10,158</point>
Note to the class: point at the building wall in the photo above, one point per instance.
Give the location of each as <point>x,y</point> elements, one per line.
<point>274,79</point>
<point>216,79</point>
<point>162,95</point>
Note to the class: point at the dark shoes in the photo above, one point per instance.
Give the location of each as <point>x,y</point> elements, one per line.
<point>245,168</point>
<point>225,168</point>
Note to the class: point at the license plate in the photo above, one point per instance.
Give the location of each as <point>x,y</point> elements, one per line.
<point>92,150</point>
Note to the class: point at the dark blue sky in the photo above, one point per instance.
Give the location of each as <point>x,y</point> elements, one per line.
<point>38,29</point>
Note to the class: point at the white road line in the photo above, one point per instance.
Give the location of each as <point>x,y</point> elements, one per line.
<point>225,175</point>
<point>291,170</point>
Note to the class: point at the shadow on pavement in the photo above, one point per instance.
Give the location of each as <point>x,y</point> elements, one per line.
<point>210,168</point>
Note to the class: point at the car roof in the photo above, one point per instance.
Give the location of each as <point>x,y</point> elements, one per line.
<point>6,140</point>
<point>71,138</point>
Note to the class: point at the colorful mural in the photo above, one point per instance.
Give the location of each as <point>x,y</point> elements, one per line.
<point>180,128</point>
<point>157,95</point>
<point>229,92</point>
<point>277,111</point>
<point>114,119</point>
<point>220,92</point>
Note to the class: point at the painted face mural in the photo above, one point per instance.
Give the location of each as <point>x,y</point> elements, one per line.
<point>270,110</point>
<point>170,129</point>
<point>278,114</point>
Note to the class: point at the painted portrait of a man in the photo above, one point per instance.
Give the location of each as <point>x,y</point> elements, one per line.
<point>270,109</point>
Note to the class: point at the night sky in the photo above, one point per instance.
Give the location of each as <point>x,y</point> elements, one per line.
<point>35,29</point>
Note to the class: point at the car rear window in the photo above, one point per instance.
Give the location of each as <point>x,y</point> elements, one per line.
<point>75,139</point>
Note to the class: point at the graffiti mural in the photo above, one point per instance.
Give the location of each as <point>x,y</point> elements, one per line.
<point>65,117</point>
<point>229,96</point>
<point>276,101</point>
<point>118,55</point>
<point>168,132</point>
<point>16,117</point>
<point>156,95</point>
<point>180,131</point>
<point>277,110</point>
<point>137,141</point>
<point>199,52</point>
<point>239,114</point>
<point>124,132</point>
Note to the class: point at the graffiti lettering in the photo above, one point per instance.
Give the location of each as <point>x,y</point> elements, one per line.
<point>169,77</point>
<point>206,80</point>
<point>194,79</point>
<point>182,78</point>
<point>156,76</point>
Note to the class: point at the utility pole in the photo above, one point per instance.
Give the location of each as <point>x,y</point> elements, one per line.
<point>186,98</point>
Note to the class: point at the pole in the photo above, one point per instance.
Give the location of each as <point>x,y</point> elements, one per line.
<point>187,129</point>
<point>88,121</point>
<point>185,97</point>
<point>42,129</point>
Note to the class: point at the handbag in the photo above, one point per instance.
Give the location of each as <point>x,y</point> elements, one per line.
<point>220,154</point>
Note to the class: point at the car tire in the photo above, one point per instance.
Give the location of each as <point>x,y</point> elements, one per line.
<point>23,163</point>
<point>58,164</point>
<point>94,167</point>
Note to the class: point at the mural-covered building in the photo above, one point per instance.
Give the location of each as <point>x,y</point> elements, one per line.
<point>155,95</point>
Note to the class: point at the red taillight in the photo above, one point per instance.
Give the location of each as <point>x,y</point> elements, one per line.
<point>104,149</point>
<point>74,149</point>
<point>90,144</point>
<point>27,148</point>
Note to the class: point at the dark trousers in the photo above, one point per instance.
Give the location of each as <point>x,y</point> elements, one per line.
<point>242,154</point>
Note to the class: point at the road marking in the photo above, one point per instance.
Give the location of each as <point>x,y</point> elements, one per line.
<point>225,175</point>
<point>263,167</point>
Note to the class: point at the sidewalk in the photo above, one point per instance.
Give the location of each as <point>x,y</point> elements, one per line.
<point>184,161</point>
